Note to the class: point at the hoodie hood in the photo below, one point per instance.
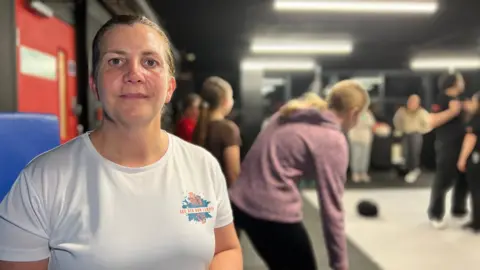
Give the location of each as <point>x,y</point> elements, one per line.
<point>311,116</point>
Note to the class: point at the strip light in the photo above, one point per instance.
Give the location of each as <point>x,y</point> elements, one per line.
<point>358,6</point>
<point>450,63</point>
<point>278,65</point>
<point>283,47</point>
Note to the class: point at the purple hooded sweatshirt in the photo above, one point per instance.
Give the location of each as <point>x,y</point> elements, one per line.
<point>306,144</point>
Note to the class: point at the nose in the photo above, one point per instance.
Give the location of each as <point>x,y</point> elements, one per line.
<point>134,73</point>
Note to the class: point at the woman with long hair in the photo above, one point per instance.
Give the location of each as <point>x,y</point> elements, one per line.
<point>214,132</point>
<point>304,139</point>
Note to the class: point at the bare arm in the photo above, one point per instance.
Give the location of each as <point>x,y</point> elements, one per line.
<point>437,119</point>
<point>468,144</point>
<point>38,265</point>
<point>228,253</point>
<point>231,156</point>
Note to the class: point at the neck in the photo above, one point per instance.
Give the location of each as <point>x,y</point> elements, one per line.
<point>339,119</point>
<point>217,115</point>
<point>130,147</point>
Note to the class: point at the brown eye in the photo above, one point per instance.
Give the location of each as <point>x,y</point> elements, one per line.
<point>151,63</point>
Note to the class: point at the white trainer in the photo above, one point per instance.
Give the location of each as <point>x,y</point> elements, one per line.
<point>438,224</point>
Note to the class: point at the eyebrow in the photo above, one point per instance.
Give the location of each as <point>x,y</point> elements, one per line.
<point>120,52</point>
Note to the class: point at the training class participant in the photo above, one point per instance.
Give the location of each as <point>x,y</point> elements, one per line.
<point>469,161</point>
<point>304,139</point>
<point>447,120</point>
<point>214,132</point>
<point>186,124</point>
<point>127,195</point>
<point>412,122</point>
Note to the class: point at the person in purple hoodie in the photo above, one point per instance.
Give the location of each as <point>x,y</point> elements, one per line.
<point>305,138</point>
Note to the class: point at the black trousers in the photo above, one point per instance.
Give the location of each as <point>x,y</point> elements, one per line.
<point>446,176</point>
<point>282,246</point>
<point>473,179</point>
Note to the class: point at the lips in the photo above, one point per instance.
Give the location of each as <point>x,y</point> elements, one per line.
<point>134,96</point>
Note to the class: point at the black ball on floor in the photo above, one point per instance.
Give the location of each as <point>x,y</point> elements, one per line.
<point>367,208</point>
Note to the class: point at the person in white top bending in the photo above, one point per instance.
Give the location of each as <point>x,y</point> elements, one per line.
<point>127,195</point>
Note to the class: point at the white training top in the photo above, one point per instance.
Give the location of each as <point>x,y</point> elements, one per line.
<point>85,212</point>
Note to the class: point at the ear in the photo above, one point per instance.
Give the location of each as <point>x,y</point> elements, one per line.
<point>93,86</point>
<point>172,85</point>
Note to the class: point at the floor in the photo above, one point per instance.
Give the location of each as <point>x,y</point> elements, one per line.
<point>399,239</point>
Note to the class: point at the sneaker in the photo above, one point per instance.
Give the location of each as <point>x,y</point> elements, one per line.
<point>471,227</point>
<point>365,178</point>
<point>460,221</point>
<point>412,176</point>
<point>356,178</point>
<point>438,224</point>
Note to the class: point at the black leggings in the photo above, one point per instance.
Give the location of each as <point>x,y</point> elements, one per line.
<point>473,178</point>
<point>282,246</point>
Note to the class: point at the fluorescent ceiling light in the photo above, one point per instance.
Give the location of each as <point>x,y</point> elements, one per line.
<point>445,63</point>
<point>295,47</point>
<point>278,65</point>
<point>274,81</point>
<point>358,6</point>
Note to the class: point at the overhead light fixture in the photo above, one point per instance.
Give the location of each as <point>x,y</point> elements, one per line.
<point>301,47</point>
<point>274,81</point>
<point>278,64</point>
<point>446,63</point>
<point>358,6</point>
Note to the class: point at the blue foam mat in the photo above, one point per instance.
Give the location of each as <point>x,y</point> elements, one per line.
<point>23,136</point>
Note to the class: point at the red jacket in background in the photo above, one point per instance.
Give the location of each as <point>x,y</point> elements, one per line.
<point>185,128</point>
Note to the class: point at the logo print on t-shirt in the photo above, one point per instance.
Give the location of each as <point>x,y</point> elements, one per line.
<point>196,208</point>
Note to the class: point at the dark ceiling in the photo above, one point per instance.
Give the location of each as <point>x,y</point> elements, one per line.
<point>218,32</point>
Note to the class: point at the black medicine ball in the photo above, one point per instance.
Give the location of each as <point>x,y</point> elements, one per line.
<point>367,208</point>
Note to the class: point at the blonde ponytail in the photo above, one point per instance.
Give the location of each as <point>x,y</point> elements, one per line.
<point>307,100</point>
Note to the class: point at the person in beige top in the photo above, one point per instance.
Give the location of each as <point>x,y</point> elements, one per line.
<point>360,138</point>
<point>412,122</point>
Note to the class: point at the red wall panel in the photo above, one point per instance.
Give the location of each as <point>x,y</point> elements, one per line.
<point>50,36</point>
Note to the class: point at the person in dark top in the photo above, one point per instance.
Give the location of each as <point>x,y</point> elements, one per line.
<point>188,121</point>
<point>446,118</point>
<point>218,135</point>
<point>469,161</point>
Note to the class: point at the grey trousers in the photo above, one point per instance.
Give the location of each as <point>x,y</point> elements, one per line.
<point>412,150</point>
<point>360,157</point>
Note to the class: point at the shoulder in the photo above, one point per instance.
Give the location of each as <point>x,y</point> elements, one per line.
<point>229,124</point>
<point>45,169</point>
<point>191,153</point>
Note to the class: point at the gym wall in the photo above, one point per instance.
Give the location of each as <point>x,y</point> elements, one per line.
<point>46,69</point>
<point>8,92</point>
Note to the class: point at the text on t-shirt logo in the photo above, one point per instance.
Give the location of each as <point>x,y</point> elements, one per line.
<point>196,208</point>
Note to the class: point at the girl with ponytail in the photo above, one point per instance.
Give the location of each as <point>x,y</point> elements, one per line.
<point>215,133</point>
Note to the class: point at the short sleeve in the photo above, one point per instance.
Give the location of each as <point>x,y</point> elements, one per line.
<point>473,126</point>
<point>224,208</point>
<point>441,104</point>
<point>231,135</point>
<point>23,234</point>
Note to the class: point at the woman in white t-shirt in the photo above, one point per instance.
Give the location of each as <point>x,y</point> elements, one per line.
<point>127,195</point>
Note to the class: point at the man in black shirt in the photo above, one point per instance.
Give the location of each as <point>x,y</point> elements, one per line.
<point>446,118</point>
